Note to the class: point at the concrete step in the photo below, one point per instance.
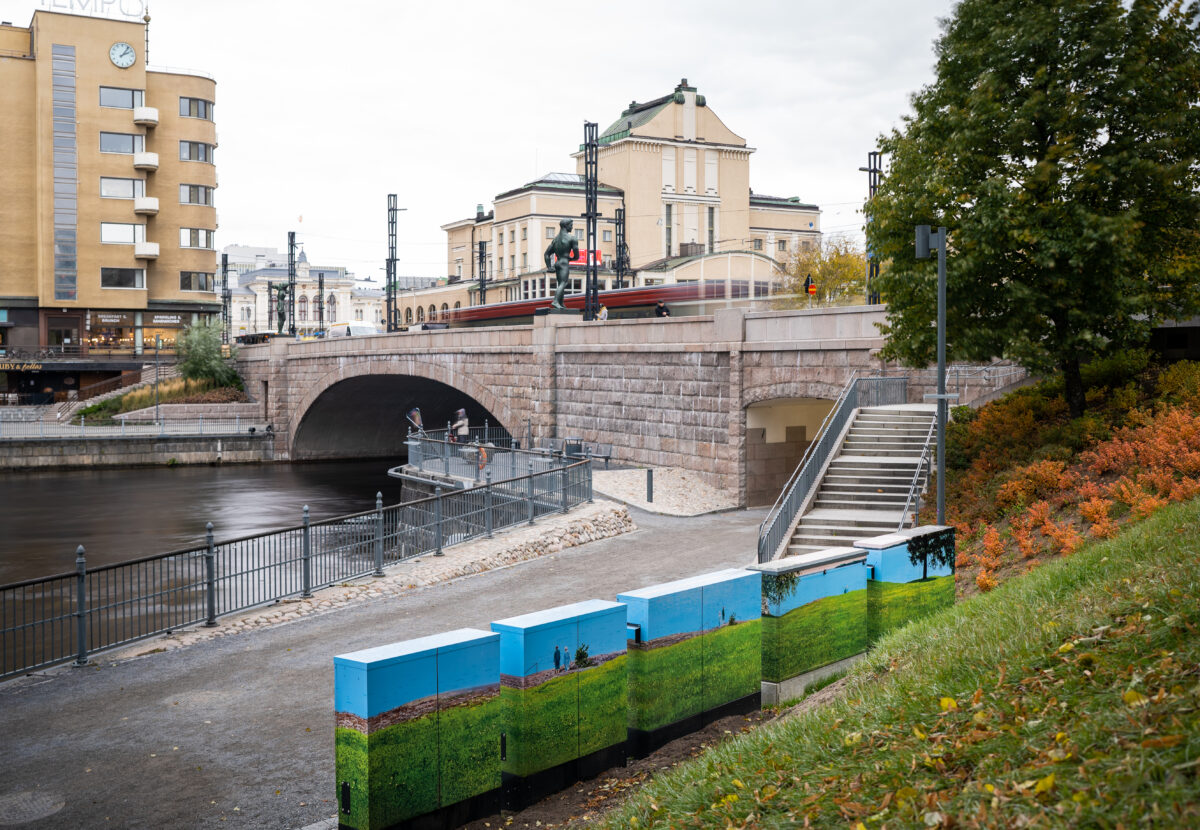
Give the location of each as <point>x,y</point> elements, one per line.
<point>918,434</point>
<point>863,495</point>
<point>853,446</point>
<point>887,483</point>
<point>851,504</point>
<point>889,418</point>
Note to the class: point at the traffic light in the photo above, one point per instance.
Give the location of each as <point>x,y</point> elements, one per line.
<point>810,287</point>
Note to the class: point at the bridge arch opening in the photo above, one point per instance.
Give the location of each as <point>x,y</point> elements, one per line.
<point>365,416</point>
<point>778,431</point>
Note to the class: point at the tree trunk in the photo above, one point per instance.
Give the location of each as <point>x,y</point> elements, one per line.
<point>1074,391</point>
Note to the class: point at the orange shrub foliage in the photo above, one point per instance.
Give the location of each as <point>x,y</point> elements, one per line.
<point>1168,441</point>
<point>1088,490</point>
<point>1025,543</point>
<point>985,580</point>
<point>1065,537</point>
<point>993,549</point>
<point>1041,479</point>
<point>1105,528</point>
<point>1095,509</point>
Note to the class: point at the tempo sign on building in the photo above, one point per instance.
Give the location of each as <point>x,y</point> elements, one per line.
<point>127,9</point>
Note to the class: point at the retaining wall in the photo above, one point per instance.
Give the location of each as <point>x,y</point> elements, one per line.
<point>139,451</point>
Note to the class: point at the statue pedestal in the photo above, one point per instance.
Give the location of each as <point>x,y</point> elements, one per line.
<point>543,312</point>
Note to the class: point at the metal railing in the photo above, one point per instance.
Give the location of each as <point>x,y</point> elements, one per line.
<point>858,392</point>
<point>914,488</point>
<point>486,434</point>
<point>56,619</point>
<point>98,429</point>
<point>473,461</point>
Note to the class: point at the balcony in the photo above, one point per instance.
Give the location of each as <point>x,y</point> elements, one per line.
<point>145,116</point>
<point>145,205</point>
<point>145,250</point>
<point>145,161</point>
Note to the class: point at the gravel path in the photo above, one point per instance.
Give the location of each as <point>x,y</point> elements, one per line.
<point>676,492</point>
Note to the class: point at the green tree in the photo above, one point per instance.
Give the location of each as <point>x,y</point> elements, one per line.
<point>837,265</point>
<point>199,349</point>
<point>1059,144</point>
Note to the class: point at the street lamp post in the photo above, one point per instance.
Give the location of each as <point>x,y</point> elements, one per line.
<point>924,240</point>
<point>157,346</point>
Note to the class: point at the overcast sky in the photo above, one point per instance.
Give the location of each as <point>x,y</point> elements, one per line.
<point>323,108</point>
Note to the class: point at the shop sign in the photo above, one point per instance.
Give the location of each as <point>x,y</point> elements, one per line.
<point>582,260</point>
<point>165,321</point>
<point>20,367</point>
<point>126,9</point>
<point>112,318</point>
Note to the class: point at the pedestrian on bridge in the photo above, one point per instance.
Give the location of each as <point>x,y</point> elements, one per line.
<point>461,429</point>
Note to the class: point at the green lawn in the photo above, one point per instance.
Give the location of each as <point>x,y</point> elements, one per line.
<point>891,605</point>
<point>404,764</point>
<point>565,718</point>
<point>665,684</point>
<point>1064,698</point>
<point>814,635</point>
<point>732,663</point>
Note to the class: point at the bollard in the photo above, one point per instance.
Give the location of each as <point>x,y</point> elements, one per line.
<point>562,484</point>
<point>485,430</point>
<point>650,484</point>
<point>237,423</point>
<point>446,454</point>
<point>81,657</point>
<point>378,534</point>
<point>487,503</point>
<point>437,520</point>
<point>589,484</point>
<point>529,491</point>
<point>82,425</point>
<point>307,553</point>
<point>210,576</point>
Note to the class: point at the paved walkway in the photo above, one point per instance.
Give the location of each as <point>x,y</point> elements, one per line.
<point>237,731</point>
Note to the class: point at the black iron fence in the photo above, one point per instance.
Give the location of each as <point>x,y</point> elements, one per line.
<point>56,619</point>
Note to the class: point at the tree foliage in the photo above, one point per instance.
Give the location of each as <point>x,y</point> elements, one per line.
<point>199,349</point>
<point>1059,146</point>
<point>837,265</point>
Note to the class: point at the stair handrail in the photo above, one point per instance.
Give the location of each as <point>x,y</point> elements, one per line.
<point>912,488</point>
<point>769,534</point>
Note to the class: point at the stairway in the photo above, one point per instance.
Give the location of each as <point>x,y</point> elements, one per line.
<point>864,489</point>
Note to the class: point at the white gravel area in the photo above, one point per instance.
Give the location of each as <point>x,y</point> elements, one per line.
<point>677,492</point>
<point>586,523</point>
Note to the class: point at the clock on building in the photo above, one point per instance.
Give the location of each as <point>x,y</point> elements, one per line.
<point>122,55</point>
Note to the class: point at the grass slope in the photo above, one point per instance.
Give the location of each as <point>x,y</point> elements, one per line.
<point>1067,697</point>
<point>565,718</point>
<point>891,605</point>
<point>815,634</point>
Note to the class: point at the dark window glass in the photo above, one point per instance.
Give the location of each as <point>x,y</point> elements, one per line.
<point>121,98</point>
<point>121,277</point>
<point>195,281</point>
<point>116,143</point>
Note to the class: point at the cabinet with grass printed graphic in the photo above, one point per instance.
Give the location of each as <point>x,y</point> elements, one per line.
<point>694,654</point>
<point>563,686</point>
<point>912,576</point>
<point>417,731</point>
<point>814,612</point>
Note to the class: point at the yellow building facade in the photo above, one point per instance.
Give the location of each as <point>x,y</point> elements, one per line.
<point>107,182</point>
<point>682,179</point>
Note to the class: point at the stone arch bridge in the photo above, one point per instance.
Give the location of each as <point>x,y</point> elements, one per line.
<point>710,394</point>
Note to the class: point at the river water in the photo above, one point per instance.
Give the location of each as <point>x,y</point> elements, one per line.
<point>119,514</point>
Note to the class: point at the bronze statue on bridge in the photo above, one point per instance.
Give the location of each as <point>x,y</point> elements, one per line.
<point>565,248</point>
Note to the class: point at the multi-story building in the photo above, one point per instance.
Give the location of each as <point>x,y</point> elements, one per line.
<point>107,217</point>
<point>681,179</point>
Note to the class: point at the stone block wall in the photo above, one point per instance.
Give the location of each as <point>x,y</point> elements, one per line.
<point>768,466</point>
<point>140,451</point>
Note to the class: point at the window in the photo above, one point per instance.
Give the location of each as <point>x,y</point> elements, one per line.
<point>191,151</point>
<point>195,194</point>
<point>122,278</point>
<point>115,233</point>
<point>667,226</point>
<point>512,262</point>
<point>458,267</point>
<point>126,99</point>
<point>525,261</point>
<point>512,236</point>
<point>758,244</point>
<point>781,245</point>
<point>408,316</point>
<point>524,234</point>
<point>302,308</point>
<point>608,236</point>
<point>196,108</point>
<point>457,305</point>
<point>432,313</point>
<point>445,311</point>
<point>122,143</point>
<point>358,314</point>
<point>420,314</point>
<point>668,169</point>
<point>196,238</point>
<point>121,188</point>
<point>710,171</point>
<point>198,281</point>
<point>331,306</point>
<point>712,231</point>
<point>549,233</point>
